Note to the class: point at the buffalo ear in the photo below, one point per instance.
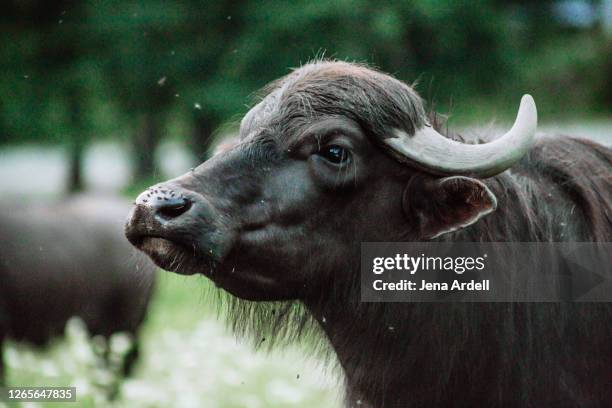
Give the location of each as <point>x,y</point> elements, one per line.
<point>444,205</point>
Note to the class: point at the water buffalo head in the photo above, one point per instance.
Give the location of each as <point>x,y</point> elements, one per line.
<point>334,155</point>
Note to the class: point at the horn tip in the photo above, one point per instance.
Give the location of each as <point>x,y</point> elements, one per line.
<point>528,109</point>
<point>528,102</point>
<point>527,98</point>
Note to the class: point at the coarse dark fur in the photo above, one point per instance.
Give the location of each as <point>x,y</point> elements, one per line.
<point>65,259</point>
<point>299,274</point>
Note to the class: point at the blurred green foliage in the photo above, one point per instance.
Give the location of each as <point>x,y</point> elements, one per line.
<point>73,70</point>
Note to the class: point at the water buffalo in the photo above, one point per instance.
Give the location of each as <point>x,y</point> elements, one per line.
<point>70,259</point>
<point>336,154</point>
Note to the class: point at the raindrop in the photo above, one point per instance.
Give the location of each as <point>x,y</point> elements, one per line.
<point>162,81</point>
<point>197,106</point>
<point>229,17</point>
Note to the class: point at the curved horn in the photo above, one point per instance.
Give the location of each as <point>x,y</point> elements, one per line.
<point>432,152</point>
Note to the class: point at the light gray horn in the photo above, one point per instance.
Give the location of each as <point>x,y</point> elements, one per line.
<point>432,152</point>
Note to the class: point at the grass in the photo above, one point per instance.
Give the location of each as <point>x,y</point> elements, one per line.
<point>188,359</point>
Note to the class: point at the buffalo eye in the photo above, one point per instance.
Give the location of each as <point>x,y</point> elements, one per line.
<point>335,154</point>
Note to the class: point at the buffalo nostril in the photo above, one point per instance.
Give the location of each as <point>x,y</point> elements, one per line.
<point>163,202</point>
<point>173,208</point>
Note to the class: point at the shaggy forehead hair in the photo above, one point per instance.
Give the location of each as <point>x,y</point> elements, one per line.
<point>376,101</point>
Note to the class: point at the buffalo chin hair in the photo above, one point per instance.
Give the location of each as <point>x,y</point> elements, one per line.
<point>269,324</point>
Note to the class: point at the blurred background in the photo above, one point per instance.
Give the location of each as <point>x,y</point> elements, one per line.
<point>111,96</point>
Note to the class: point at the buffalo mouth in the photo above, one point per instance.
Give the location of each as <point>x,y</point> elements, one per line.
<point>185,258</point>
<point>173,256</point>
<point>166,254</point>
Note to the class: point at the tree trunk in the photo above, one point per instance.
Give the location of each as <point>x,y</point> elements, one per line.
<point>77,142</point>
<point>145,142</point>
<point>75,170</point>
<point>202,135</point>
